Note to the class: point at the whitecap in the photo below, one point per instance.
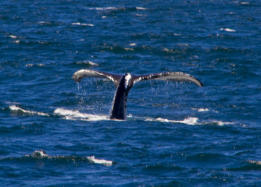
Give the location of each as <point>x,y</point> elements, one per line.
<point>103,8</point>
<point>13,36</point>
<point>31,65</point>
<point>39,154</point>
<point>201,109</point>
<point>219,123</point>
<point>190,121</point>
<point>187,121</point>
<point>254,162</point>
<point>140,15</point>
<point>44,23</point>
<point>76,115</point>
<point>83,24</point>
<point>87,62</point>
<point>99,161</point>
<point>227,29</point>
<point>244,3</point>
<point>19,109</point>
<point>132,44</point>
<point>128,49</point>
<point>140,8</point>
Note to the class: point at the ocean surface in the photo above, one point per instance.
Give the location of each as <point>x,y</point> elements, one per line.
<point>55,132</point>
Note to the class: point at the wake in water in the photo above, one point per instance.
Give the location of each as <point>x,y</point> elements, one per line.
<point>77,115</point>
<point>19,109</point>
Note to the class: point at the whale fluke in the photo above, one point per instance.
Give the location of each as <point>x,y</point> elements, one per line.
<point>172,76</point>
<point>78,75</point>
<point>125,82</point>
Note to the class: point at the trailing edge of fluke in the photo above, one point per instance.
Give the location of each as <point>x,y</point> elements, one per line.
<point>125,82</point>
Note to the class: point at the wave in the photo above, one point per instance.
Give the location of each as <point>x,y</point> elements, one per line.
<point>87,62</point>
<point>188,121</point>
<point>42,155</point>
<point>99,161</point>
<point>201,109</point>
<point>117,8</point>
<point>247,166</point>
<point>34,65</point>
<point>76,115</point>
<point>83,24</point>
<point>227,29</point>
<point>15,108</point>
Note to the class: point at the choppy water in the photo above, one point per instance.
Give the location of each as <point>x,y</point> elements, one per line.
<point>176,134</point>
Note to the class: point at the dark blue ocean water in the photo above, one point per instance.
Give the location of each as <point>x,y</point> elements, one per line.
<point>176,134</point>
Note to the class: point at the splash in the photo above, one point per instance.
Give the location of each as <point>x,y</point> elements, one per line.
<point>19,109</point>
<point>76,115</point>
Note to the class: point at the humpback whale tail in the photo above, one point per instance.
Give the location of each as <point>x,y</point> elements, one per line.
<point>125,82</point>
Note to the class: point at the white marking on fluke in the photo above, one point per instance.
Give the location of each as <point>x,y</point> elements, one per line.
<point>127,79</point>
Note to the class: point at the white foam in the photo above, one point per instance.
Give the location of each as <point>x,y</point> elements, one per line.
<point>42,22</point>
<point>201,109</point>
<point>99,161</point>
<point>76,115</point>
<point>227,29</point>
<point>187,121</point>
<point>244,3</point>
<point>31,65</point>
<point>103,8</point>
<point>191,121</point>
<point>39,154</point>
<point>219,123</point>
<point>16,108</point>
<point>83,24</point>
<point>13,36</point>
<point>254,162</point>
<point>140,15</point>
<point>132,44</point>
<point>140,8</point>
<point>87,62</point>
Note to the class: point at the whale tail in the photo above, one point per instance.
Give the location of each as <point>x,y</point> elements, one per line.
<point>125,82</point>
